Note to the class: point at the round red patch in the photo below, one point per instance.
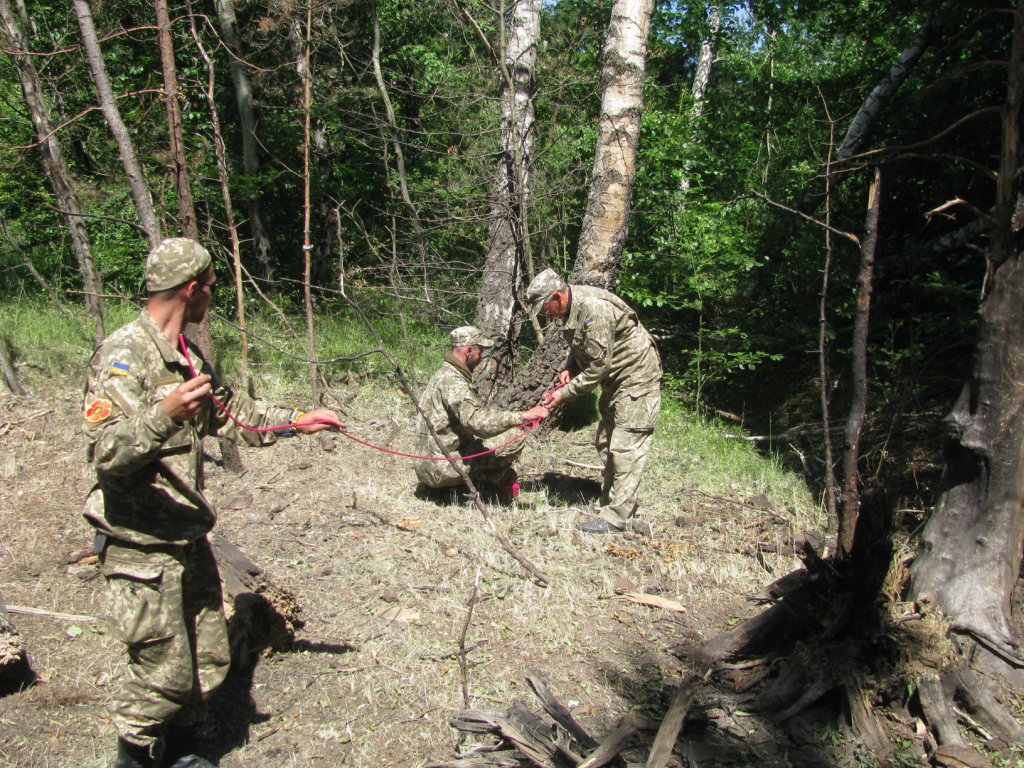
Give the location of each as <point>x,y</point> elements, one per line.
<point>98,410</point>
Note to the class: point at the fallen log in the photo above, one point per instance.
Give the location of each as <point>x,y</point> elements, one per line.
<point>260,614</point>
<point>629,725</point>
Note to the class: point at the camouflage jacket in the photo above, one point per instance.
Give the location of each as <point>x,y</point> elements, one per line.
<point>149,468</point>
<point>608,346</point>
<point>453,407</point>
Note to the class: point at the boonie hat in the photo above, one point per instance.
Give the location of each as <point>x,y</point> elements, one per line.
<point>541,288</point>
<point>469,336</point>
<point>174,262</point>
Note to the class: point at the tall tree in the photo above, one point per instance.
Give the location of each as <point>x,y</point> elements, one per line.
<point>250,145</point>
<point>605,223</point>
<point>701,79</point>
<point>970,553</point>
<point>54,164</point>
<point>606,220</point>
<point>125,145</point>
<point>508,255</point>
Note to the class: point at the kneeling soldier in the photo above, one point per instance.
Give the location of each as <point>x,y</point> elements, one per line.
<point>465,427</point>
<point>145,419</point>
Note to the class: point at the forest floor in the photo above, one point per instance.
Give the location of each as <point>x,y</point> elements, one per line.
<point>360,688</point>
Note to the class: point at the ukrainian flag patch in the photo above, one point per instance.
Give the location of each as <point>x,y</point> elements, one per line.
<point>119,369</point>
<point>588,322</point>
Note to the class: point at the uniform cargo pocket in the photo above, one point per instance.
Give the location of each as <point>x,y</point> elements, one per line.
<point>136,600</point>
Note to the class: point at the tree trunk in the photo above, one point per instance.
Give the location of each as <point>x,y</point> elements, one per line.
<point>396,141</point>
<point>250,145</point>
<point>970,552</point>
<point>701,78</point>
<point>603,234</point>
<point>129,158</point>
<point>8,371</point>
<point>53,162</point>
<point>198,333</point>
<point>605,223</point>
<point>306,70</point>
<point>859,373</point>
<point>508,243</point>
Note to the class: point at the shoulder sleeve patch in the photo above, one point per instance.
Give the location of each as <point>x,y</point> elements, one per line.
<point>98,410</point>
<point>588,322</point>
<point>594,348</point>
<point>119,369</point>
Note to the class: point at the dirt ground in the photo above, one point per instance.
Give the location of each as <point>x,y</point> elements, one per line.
<point>360,688</point>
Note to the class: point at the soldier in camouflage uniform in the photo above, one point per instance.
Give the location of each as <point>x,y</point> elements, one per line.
<point>145,418</point>
<point>608,346</point>
<point>465,427</point>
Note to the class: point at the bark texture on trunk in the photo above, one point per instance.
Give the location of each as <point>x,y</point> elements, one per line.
<point>508,244</point>
<point>859,372</point>
<point>55,166</point>
<point>250,146</point>
<point>701,78</point>
<point>108,104</point>
<point>605,223</point>
<point>970,552</point>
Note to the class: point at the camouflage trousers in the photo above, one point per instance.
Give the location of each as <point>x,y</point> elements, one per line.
<point>623,441</point>
<point>492,468</point>
<point>165,605</point>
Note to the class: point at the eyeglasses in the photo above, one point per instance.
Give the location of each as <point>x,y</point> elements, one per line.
<point>212,286</point>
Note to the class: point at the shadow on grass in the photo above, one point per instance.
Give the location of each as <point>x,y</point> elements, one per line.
<point>565,489</point>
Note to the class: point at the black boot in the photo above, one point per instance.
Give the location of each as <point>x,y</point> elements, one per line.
<point>132,756</point>
<point>181,749</point>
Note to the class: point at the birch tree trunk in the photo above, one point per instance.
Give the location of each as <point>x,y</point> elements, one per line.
<point>701,78</point>
<point>125,146</point>
<point>250,146</point>
<point>606,221</point>
<point>56,168</point>
<point>508,238</point>
<point>970,552</point>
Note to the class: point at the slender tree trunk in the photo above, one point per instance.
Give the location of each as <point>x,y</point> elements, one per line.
<point>508,237</point>
<point>53,162</point>
<point>250,145</point>
<point>307,247</point>
<point>606,220</point>
<point>970,552</point>
<point>859,373</point>
<point>396,141</point>
<point>701,78</point>
<point>198,333</point>
<point>823,375</point>
<point>125,146</point>
<point>8,371</point>
<point>31,268</point>
<point>229,214</point>
<point>605,223</point>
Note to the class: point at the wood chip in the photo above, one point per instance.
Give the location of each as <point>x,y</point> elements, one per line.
<point>398,614</point>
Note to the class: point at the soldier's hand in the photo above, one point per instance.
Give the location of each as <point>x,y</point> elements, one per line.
<point>321,415</point>
<point>188,399</point>
<point>552,400</point>
<point>538,412</point>
<point>564,376</point>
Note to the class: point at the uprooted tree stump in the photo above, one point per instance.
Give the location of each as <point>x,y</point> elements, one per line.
<point>889,672</point>
<point>261,615</point>
<point>13,662</point>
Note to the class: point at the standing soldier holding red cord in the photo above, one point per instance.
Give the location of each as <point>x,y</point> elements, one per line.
<point>145,417</point>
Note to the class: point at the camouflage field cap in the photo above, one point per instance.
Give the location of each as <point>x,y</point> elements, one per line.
<point>469,336</point>
<point>540,290</point>
<point>174,262</point>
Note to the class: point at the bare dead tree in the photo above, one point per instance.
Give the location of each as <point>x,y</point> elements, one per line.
<point>850,508</point>
<point>122,137</point>
<point>307,76</point>
<point>823,375</point>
